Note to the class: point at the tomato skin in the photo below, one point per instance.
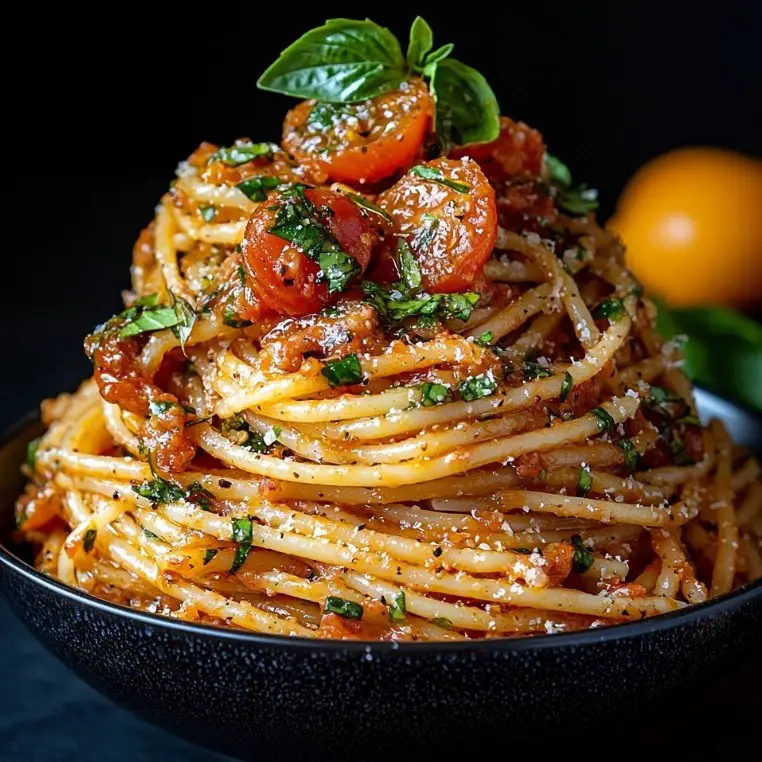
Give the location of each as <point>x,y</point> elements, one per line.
<point>361,148</point>
<point>450,233</point>
<point>518,152</point>
<point>283,278</point>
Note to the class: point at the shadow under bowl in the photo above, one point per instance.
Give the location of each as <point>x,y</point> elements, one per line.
<point>260,696</point>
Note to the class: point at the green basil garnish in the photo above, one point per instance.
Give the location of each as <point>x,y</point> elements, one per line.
<point>477,387</point>
<point>584,482</point>
<point>566,386</point>
<point>434,394</point>
<point>341,372</point>
<point>583,558</point>
<point>343,607</point>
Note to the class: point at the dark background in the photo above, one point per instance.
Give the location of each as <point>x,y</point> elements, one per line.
<point>102,106</point>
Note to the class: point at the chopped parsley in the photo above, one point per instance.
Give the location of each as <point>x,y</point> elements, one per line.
<point>31,453</point>
<point>241,153</point>
<point>242,535</point>
<point>299,222</point>
<point>186,318</point>
<point>584,482</point>
<point>533,370</point>
<point>159,491</point>
<point>583,558</point>
<point>256,188</point>
<point>397,608</point>
<point>341,372</point>
<point>207,213</point>
<point>209,554</point>
<point>604,420</point>
<point>434,394</point>
<point>566,386</point>
<point>410,273</point>
<point>141,319</point>
<point>436,174</point>
<point>630,454</point>
<point>343,607</point>
<point>367,206</point>
<point>612,309</point>
<point>442,622</point>
<point>485,340</point>
<point>477,387</point>
<point>88,543</point>
<point>232,319</point>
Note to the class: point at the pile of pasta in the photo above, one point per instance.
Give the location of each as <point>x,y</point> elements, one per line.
<point>401,506</point>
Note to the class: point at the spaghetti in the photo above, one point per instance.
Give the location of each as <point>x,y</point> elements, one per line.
<point>424,402</point>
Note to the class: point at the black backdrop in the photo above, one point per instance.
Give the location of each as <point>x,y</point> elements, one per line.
<point>104,104</point>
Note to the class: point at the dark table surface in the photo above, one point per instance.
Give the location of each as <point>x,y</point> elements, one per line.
<point>49,715</point>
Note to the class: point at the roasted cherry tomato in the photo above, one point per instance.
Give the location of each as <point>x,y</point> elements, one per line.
<point>279,273</point>
<point>446,211</point>
<point>516,153</point>
<point>360,143</point>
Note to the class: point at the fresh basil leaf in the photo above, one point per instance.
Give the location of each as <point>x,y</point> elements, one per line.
<point>477,387</point>
<point>209,554</point>
<point>436,175</point>
<point>409,270</point>
<point>631,456</point>
<point>343,607</point>
<point>341,372</point>
<point>578,201</point>
<point>150,300</point>
<point>395,305</point>
<point>241,273</point>
<point>231,318</point>
<point>159,491</point>
<point>533,370</point>
<point>558,173</point>
<point>583,558</point>
<point>343,61</point>
<point>566,386</point>
<point>186,318</point>
<point>242,535</point>
<point>442,622</point>
<point>435,57</point>
<point>363,203</point>
<point>256,188</point>
<point>611,309</point>
<point>604,420</point>
<point>466,108</point>
<point>337,269</point>
<point>584,482</point>
<point>434,394</point>
<point>150,319</point>
<point>88,542</point>
<point>421,43</point>
<point>207,213</point>
<point>485,340</point>
<point>241,153</point>
<point>161,406</point>
<point>398,608</point>
<point>31,453</point>
<point>723,351</point>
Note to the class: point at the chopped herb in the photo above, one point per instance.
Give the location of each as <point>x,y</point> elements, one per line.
<point>343,607</point>
<point>477,387</point>
<point>409,270</point>
<point>256,187</point>
<point>543,475</point>
<point>207,212</point>
<point>147,319</point>
<point>209,554</point>
<point>424,236</point>
<point>161,406</point>
<point>241,272</point>
<point>583,558</point>
<point>347,370</point>
<point>150,535</point>
<point>323,116</point>
<point>566,386</point>
<point>337,269</point>
<point>242,535</point>
<point>485,339</point>
<point>232,319</point>
<point>442,622</point>
<point>31,453</point>
<point>573,200</point>
<point>398,608</point>
<point>396,305</point>
<point>605,421</point>
<point>88,543</point>
<point>436,174</point>
<point>186,318</point>
<point>630,454</point>
<point>533,370</point>
<point>363,203</point>
<point>558,173</point>
<point>584,482</point>
<point>434,394</point>
<point>159,491</point>
<point>612,309</point>
<point>270,437</point>
<point>256,443</point>
<point>199,496</point>
<point>241,153</point>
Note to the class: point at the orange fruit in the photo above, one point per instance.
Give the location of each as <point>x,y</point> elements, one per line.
<point>692,224</point>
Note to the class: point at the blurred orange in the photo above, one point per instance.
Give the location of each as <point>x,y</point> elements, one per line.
<point>692,223</point>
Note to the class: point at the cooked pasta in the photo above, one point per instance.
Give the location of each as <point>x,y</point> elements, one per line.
<point>359,392</point>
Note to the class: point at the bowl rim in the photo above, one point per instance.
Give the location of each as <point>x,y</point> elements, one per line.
<point>689,614</point>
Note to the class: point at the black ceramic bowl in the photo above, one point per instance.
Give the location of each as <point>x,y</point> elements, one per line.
<point>266,697</point>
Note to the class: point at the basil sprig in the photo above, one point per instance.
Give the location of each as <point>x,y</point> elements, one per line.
<point>352,60</point>
<point>576,200</point>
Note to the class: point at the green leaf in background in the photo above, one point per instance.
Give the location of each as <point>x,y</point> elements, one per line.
<point>343,61</point>
<point>723,351</point>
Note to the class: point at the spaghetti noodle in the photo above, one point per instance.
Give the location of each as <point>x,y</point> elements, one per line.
<point>426,402</point>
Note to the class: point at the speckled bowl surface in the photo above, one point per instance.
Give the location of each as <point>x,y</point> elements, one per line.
<point>266,697</point>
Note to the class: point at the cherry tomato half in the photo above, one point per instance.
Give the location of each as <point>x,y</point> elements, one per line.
<point>446,211</point>
<point>279,273</point>
<point>516,153</point>
<point>360,143</point>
